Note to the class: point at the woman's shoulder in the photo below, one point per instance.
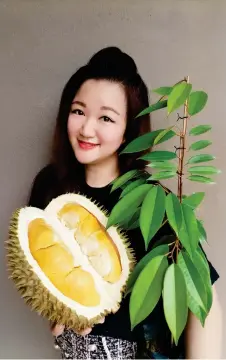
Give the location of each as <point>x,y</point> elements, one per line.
<point>47,173</point>
<point>42,184</point>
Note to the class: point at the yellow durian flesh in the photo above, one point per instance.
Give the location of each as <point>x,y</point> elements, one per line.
<point>72,214</point>
<point>94,240</point>
<point>57,263</point>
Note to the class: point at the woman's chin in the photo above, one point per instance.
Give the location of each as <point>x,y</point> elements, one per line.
<point>86,159</point>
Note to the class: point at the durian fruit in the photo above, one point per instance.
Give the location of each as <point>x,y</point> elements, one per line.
<point>64,262</point>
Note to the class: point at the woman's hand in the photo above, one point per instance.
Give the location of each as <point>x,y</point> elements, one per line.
<point>58,329</point>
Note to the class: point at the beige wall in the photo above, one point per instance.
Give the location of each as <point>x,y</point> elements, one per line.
<point>42,43</point>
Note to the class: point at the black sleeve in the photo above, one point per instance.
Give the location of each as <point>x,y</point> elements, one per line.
<point>213,272</point>
<point>42,187</point>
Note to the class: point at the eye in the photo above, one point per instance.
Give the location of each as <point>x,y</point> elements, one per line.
<point>107,119</point>
<point>77,112</point>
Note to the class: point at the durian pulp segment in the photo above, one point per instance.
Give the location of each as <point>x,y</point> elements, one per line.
<point>95,242</point>
<point>57,262</point>
<point>71,214</point>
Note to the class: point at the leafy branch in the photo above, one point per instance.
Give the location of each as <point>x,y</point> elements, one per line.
<point>182,149</point>
<point>174,267</point>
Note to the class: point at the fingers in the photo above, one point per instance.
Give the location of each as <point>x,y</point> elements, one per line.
<point>57,329</point>
<point>85,332</point>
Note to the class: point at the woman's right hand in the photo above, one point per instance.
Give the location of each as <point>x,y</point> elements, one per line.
<point>58,329</point>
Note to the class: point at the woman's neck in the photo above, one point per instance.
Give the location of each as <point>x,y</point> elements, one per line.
<point>100,175</point>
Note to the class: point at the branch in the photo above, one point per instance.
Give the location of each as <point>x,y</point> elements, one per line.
<point>182,148</point>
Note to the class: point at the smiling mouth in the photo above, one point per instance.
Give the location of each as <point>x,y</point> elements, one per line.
<point>86,145</point>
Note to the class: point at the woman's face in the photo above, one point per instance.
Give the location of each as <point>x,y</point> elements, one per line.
<point>97,121</point>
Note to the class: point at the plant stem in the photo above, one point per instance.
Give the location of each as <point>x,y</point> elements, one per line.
<point>164,222</point>
<point>182,149</point>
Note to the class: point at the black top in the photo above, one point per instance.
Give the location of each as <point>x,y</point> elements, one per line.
<point>118,324</point>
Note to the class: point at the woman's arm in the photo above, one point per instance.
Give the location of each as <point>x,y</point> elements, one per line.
<point>205,343</point>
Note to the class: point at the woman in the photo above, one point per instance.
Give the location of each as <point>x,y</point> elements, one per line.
<point>96,120</point>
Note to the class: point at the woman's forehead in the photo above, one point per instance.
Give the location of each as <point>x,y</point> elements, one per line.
<point>102,93</point>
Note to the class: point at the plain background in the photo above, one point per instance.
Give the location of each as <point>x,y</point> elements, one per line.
<point>42,44</point>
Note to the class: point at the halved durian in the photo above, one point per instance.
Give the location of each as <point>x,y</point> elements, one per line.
<point>64,262</point>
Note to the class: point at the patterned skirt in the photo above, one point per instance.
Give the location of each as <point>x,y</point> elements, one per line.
<point>73,346</point>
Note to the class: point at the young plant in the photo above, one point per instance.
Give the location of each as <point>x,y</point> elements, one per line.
<point>175,267</point>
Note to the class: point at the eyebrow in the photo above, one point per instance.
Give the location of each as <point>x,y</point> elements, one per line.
<point>109,108</point>
<point>79,103</point>
<point>102,108</point>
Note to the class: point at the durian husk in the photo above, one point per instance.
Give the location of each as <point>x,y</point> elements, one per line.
<point>36,295</point>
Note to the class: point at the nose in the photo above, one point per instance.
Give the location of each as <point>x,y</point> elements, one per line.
<point>88,128</point>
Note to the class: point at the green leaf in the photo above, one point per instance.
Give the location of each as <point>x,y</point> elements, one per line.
<point>159,155</point>
<point>147,289</point>
<point>132,186</point>
<point>167,165</point>
<point>175,301</point>
<point>200,129</point>
<point>201,144</point>
<point>202,179</point>
<point>194,200</point>
<point>197,101</point>
<point>202,254</point>
<point>161,135</point>
<point>203,269</point>
<point>202,232</point>
<point>160,250</point>
<point>173,211</point>
<point>134,225</point>
<point>189,234</point>
<point>157,106</point>
<point>123,185</point>
<point>130,221</point>
<point>163,175</point>
<point>193,305</point>
<point>169,135</point>
<point>200,158</point>
<point>152,213</point>
<point>209,293</point>
<point>178,96</point>
<point>164,90</point>
<point>195,286</point>
<point>197,310</point>
<point>128,205</point>
<point>204,170</point>
<point>146,141</point>
<point>121,180</point>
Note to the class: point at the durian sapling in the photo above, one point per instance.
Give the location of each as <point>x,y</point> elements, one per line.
<point>174,265</point>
